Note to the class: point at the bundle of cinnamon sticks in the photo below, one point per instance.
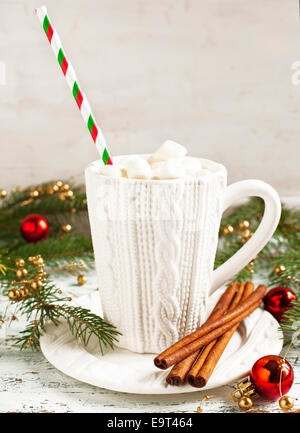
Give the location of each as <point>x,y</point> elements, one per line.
<point>195,356</point>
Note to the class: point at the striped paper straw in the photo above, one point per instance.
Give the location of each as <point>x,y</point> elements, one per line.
<point>72,81</point>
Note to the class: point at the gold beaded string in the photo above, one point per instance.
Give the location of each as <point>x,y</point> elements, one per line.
<point>246,234</point>
<point>285,401</point>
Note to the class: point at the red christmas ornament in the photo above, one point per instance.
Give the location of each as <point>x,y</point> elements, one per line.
<point>278,300</point>
<point>265,375</point>
<point>34,228</point>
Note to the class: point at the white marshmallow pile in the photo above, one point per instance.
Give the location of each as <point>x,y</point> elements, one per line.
<point>169,161</point>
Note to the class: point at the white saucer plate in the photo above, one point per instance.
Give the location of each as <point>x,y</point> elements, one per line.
<point>125,371</point>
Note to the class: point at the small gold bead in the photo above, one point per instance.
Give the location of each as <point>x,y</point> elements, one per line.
<point>81,280</point>
<point>228,230</point>
<point>74,210</point>
<point>20,263</point>
<point>34,322</point>
<point>13,317</point>
<point>27,291</point>
<point>246,234</point>
<point>39,262</point>
<point>69,299</point>
<point>12,295</point>
<point>62,196</point>
<point>295,280</point>
<point>279,269</point>
<point>286,402</point>
<point>59,291</point>
<point>244,224</point>
<point>19,273</point>
<point>245,403</point>
<point>24,272</point>
<point>70,194</point>
<point>66,187</point>
<point>67,228</point>
<point>55,188</point>
<point>34,194</point>
<point>34,285</point>
<point>23,293</point>
<point>59,183</point>
<point>3,193</point>
<point>288,277</point>
<point>18,295</point>
<point>39,284</point>
<point>36,307</point>
<point>31,258</point>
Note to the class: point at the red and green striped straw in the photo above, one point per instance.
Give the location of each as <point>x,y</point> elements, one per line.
<point>72,81</point>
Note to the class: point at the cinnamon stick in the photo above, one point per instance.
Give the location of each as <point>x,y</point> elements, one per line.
<point>179,372</point>
<point>206,369</point>
<point>206,351</point>
<point>195,345</point>
<point>209,331</point>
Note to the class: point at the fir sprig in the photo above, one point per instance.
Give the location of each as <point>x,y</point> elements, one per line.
<point>47,306</point>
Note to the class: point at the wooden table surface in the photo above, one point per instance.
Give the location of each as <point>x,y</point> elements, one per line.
<point>29,383</point>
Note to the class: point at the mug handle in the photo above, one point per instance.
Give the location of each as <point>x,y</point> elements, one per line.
<point>264,232</point>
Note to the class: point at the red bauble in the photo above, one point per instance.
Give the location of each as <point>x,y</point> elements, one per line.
<point>34,228</point>
<point>265,375</point>
<point>278,300</point>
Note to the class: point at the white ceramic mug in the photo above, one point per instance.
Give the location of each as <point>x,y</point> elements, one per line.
<point>155,243</point>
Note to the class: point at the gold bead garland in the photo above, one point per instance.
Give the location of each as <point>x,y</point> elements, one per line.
<point>245,232</point>
<point>62,190</point>
<point>26,286</point>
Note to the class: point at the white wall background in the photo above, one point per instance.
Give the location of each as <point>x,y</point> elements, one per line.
<point>214,75</point>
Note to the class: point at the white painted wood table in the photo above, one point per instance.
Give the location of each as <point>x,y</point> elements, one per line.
<point>29,383</point>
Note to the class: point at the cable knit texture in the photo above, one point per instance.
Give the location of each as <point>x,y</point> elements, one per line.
<point>154,245</point>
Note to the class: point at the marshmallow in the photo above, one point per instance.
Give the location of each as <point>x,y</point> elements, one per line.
<point>192,165</point>
<point>138,168</point>
<point>156,169</point>
<point>157,164</point>
<point>172,169</point>
<point>169,149</point>
<point>111,170</point>
<point>203,172</point>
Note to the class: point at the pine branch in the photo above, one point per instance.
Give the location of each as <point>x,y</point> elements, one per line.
<point>47,306</point>
<point>290,324</point>
<point>83,324</point>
